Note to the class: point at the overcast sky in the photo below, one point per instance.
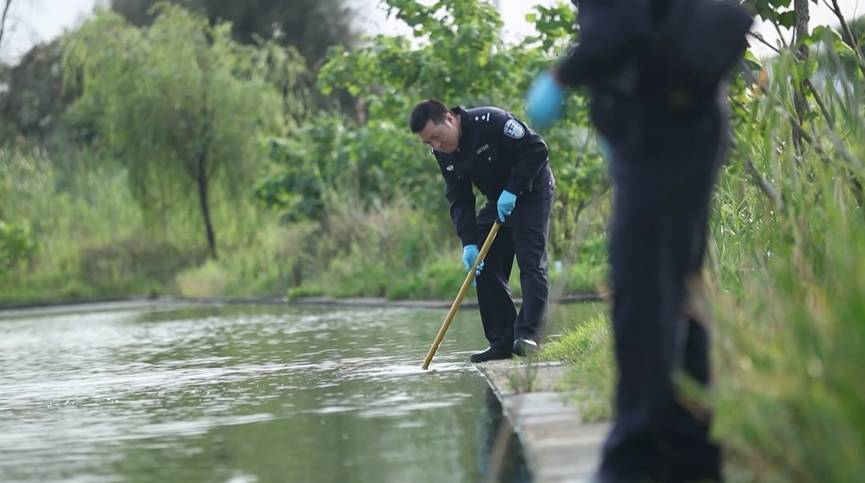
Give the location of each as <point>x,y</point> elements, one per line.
<point>33,21</point>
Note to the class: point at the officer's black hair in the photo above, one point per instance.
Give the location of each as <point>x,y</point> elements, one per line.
<point>429,110</point>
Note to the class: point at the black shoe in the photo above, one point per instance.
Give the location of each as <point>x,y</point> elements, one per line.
<point>525,347</point>
<point>491,354</point>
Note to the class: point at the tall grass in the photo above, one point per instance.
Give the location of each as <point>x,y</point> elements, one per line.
<point>91,238</point>
<point>392,251</point>
<point>790,266</point>
<point>70,218</point>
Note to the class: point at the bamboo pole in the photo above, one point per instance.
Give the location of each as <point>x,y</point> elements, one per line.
<point>462,293</point>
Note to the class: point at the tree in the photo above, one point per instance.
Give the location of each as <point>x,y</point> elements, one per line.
<point>457,54</point>
<point>311,26</point>
<point>180,103</point>
<point>35,100</point>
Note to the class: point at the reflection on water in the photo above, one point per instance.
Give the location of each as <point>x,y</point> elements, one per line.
<point>513,467</point>
<point>244,394</point>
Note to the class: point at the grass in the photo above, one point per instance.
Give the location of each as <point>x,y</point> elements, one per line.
<point>587,348</point>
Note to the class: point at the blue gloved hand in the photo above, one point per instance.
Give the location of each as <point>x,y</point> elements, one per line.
<point>544,101</point>
<point>470,254</point>
<point>605,148</point>
<point>506,203</point>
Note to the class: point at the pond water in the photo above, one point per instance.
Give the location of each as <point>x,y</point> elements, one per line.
<point>244,394</point>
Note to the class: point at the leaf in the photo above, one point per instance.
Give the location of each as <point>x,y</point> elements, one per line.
<point>787,19</point>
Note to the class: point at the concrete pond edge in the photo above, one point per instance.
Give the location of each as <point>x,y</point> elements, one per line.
<point>559,446</point>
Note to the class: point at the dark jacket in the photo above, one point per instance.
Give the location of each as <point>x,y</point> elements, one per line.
<point>612,33</point>
<point>666,48</point>
<point>496,152</point>
<point>616,60</point>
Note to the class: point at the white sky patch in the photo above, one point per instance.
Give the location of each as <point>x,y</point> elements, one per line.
<point>34,21</point>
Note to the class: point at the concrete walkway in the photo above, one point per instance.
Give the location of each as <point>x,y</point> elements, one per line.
<point>558,445</point>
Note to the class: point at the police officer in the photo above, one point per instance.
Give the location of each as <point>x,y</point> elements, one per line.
<point>491,149</point>
<point>653,70</point>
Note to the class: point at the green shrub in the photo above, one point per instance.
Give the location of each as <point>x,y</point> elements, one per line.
<point>440,278</point>
<point>118,261</point>
<point>207,281</point>
<point>274,259</point>
<point>305,291</point>
<point>16,245</point>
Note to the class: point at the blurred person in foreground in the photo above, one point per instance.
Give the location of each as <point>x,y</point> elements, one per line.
<point>654,70</point>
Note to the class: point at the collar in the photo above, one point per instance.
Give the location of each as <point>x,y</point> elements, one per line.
<point>464,120</point>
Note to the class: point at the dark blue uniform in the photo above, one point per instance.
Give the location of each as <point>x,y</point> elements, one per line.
<point>667,141</point>
<point>499,152</point>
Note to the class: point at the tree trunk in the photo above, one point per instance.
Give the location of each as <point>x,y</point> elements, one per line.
<point>201,179</point>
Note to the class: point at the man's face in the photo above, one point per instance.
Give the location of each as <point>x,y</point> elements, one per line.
<point>444,137</point>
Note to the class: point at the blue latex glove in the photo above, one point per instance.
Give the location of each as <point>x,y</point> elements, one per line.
<point>604,147</point>
<point>544,101</point>
<point>505,205</point>
<point>470,254</point>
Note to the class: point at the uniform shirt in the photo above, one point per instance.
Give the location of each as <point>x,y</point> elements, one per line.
<point>496,152</point>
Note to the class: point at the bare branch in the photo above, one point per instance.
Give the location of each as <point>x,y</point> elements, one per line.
<point>3,19</point>
<point>764,185</point>
<point>763,41</point>
<point>761,181</point>
<point>820,103</point>
<point>781,38</point>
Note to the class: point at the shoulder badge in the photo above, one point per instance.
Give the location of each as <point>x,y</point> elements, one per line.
<point>513,129</point>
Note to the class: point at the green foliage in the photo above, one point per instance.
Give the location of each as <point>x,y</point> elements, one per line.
<point>134,264</point>
<point>793,354</point>
<point>327,162</point>
<point>389,252</point>
<point>437,278</point>
<point>179,103</point>
<point>774,10</point>
<point>456,54</point>
<point>385,251</point>
<point>275,258</point>
<point>34,100</point>
<point>81,249</point>
<point>16,245</point>
<point>206,281</point>
<point>789,311</point>
<point>556,26</point>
